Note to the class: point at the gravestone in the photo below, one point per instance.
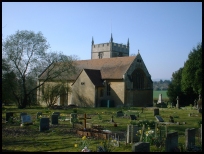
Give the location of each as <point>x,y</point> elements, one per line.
<point>160,99</point>
<point>111,119</point>
<point>141,147</point>
<point>26,119</point>
<point>9,115</point>
<point>171,142</point>
<point>119,114</point>
<point>177,104</point>
<point>22,113</point>
<point>131,133</point>
<point>171,119</point>
<point>159,118</point>
<point>54,119</point>
<point>73,117</point>
<point>133,117</point>
<point>190,137</point>
<point>58,113</point>
<point>44,124</point>
<point>156,112</point>
<point>38,114</point>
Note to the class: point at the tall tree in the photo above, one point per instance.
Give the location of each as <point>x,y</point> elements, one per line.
<point>27,55</point>
<point>192,72</point>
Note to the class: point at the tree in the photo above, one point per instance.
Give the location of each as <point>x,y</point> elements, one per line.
<point>52,92</point>
<point>26,53</point>
<point>174,88</point>
<point>192,72</point>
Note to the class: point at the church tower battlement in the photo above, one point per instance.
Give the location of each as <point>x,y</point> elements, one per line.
<point>109,50</point>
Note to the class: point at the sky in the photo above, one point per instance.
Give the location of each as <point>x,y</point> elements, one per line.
<point>163,32</point>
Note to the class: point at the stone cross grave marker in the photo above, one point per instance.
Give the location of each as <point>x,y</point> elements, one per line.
<point>133,117</point>
<point>119,114</point>
<point>38,114</point>
<point>9,115</point>
<point>22,113</point>
<point>54,119</point>
<point>85,120</point>
<point>156,112</point>
<point>171,141</point>
<point>190,137</point>
<point>141,147</point>
<point>44,124</point>
<point>159,118</point>
<point>26,119</point>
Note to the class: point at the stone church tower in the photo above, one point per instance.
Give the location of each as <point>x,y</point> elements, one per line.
<point>109,50</point>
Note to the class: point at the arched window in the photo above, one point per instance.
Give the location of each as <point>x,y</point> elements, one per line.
<point>138,79</point>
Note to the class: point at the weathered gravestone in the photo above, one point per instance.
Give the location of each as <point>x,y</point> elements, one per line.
<point>133,117</point>
<point>171,143</point>
<point>9,115</point>
<point>159,118</point>
<point>131,133</point>
<point>156,112</point>
<point>141,147</point>
<point>38,114</point>
<point>54,119</point>
<point>160,99</point>
<point>119,114</point>
<point>26,119</point>
<point>44,124</point>
<point>177,104</point>
<point>73,117</point>
<point>190,137</point>
<point>111,119</point>
<point>58,113</point>
<point>21,114</point>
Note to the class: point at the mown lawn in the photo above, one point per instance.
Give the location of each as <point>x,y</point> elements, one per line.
<point>59,138</point>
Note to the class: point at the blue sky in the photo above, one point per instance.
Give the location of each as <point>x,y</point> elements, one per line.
<point>164,33</point>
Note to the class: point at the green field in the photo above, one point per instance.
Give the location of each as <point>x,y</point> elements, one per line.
<point>163,92</point>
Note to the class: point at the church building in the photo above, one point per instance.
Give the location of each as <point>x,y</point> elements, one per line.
<point>110,78</point>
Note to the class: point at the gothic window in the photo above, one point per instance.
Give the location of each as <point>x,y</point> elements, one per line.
<point>108,89</point>
<point>101,93</point>
<point>138,79</point>
<point>100,55</point>
<point>120,54</point>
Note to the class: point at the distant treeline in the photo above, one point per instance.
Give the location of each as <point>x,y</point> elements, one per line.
<point>161,85</point>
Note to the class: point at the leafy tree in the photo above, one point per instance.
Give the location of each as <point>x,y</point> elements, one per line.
<point>26,53</point>
<point>51,92</point>
<point>174,88</point>
<point>192,72</point>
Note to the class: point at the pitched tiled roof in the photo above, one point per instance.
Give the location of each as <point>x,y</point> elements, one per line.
<point>110,68</point>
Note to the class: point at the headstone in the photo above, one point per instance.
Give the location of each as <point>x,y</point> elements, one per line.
<point>73,117</point>
<point>171,119</point>
<point>141,147</point>
<point>199,104</point>
<point>156,112</point>
<point>9,115</point>
<point>44,124</point>
<point>22,113</point>
<point>119,113</point>
<point>190,137</point>
<point>26,119</point>
<point>111,119</point>
<point>177,105</point>
<point>131,133</point>
<point>195,103</point>
<point>133,117</point>
<point>160,99</point>
<point>159,118</point>
<point>38,114</point>
<point>54,119</point>
<point>171,141</point>
<point>58,113</point>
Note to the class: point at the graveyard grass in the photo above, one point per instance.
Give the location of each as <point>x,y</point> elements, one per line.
<point>16,138</point>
